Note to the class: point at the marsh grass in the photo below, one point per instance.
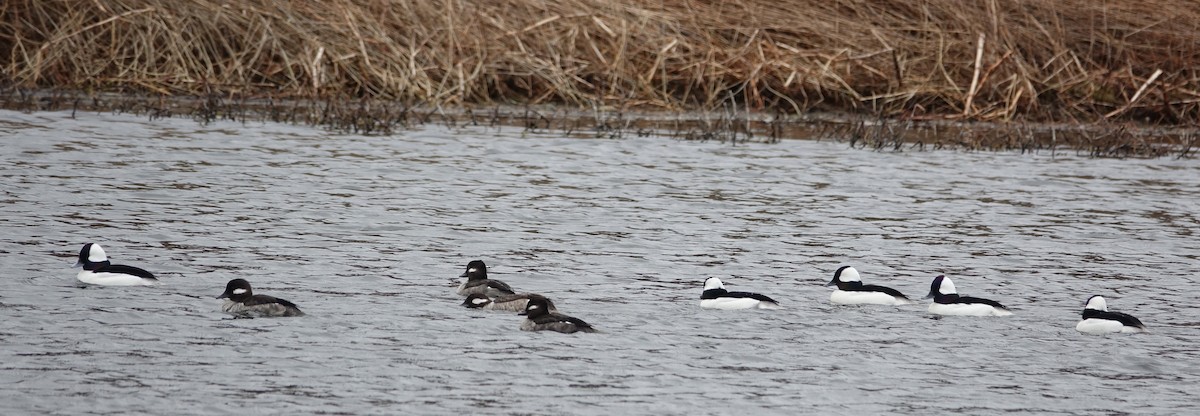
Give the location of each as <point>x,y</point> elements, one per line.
<point>366,64</point>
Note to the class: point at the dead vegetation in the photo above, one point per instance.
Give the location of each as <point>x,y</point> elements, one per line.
<point>1078,62</point>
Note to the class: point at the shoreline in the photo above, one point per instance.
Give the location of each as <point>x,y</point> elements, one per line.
<point>384,117</point>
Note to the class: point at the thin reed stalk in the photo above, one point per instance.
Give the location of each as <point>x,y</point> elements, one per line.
<point>1033,60</point>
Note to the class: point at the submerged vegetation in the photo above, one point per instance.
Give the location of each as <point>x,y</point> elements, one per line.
<point>1107,69</point>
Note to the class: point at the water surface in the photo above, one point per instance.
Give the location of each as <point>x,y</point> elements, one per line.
<point>369,234</point>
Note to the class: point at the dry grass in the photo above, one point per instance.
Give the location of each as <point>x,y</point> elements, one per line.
<point>1068,60</point>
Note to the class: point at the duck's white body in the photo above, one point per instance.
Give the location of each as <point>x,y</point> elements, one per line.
<point>113,279</point>
<point>737,303</point>
<point>846,297</point>
<point>967,309</point>
<point>1104,326</point>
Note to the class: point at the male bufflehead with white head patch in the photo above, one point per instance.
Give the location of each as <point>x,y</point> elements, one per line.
<point>1098,320</point>
<point>512,303</point>
<point>946,301</point>
<point>539,317</point>
<point>852,291</point>
<point>716,297</point>
<point>97,270</point>
<point>478,282</point>
<point>240,300</point>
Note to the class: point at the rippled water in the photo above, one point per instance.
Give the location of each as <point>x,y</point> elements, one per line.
<point>369,234</point>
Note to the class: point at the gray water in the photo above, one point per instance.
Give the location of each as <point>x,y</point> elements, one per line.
<point>368,235</point>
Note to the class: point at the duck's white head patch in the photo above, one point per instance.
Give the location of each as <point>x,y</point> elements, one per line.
<point>96,254</point>
<point>713,283</point>
<point>947,287</point>
<point>849,275</point>
<point>1097,302</point>
<point>239,291</point>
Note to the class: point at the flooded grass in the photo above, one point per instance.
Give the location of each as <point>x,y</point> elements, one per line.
<point>879,133</point>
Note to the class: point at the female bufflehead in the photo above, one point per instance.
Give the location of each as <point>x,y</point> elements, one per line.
<point>946,301</point>
<point>241,301</point>
<point>478,282</point>
<point>97,270</point>
<point>512,303</point>
<point>539,317</point>
<point>852,291</point>
<point>716,297</point>
<point>1098,320</point>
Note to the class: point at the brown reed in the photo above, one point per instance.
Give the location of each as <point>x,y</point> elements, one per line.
<point>1033,60</point>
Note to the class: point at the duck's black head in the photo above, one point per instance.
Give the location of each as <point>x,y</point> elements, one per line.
<point>536,307</point>
<point>476,270</point>
<point>476,300</point>
<point>237,290</point>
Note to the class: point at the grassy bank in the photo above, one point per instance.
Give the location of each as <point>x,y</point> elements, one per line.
<point>1071,60</point>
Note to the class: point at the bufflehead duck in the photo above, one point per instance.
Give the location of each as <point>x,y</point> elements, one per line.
<point>97,270</point>
<point>241,301</point>
<point>946,301</point>
<point>539,317</point>
<point>852,291</point>
<point>512,303</point>
<point>478,282</point>
<point>1098,320</point>
<point>716,297</point>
